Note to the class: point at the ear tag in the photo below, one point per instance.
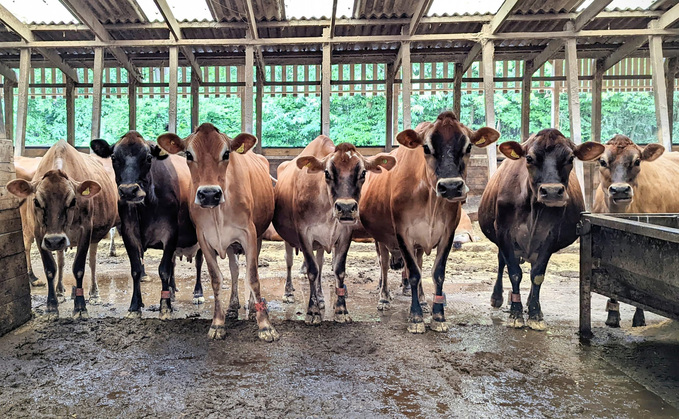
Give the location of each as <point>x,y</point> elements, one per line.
<point>481,141</point>
<point>384,161</point>
<point>308,165</point>
<point>162,153</point>
<point>86,192</point>
<point>241,149</point>
<point>514,155</point>
<point>173,143</point>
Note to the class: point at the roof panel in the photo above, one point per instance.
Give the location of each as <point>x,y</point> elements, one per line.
<point>472,7</point>
<point>39,11</point>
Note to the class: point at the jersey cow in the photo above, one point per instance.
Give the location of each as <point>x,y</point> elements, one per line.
<point>154,194</point>
<point>25,168</point>
<point>317,208</point>
<point>73,204</point>
<point>232,202</point>
<point>530,209</point>
<point>416,206</point>
<point>636,180</point>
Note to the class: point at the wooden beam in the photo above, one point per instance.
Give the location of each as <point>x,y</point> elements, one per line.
<point>195,102</point>
<point>22,106</point>
<point>174,89</point>
<point>389,97</point>
<point>623,51</point>
<point>8,91</point>
<point>669,18</point>
<point>556,97</point>
<point>248,92</point>
<point>471,57</point>
<point>176,32</point>
<point>406,88</point>
<point>589,13</point>
<point>488,70</point>
<point>597,89</point>
<point>254,35</point>
<point>421,8</point>
<point>501,16</point>
<point>97,85</point>
<point>671,68</point>
<point>132,104</point>
<point>8,73</point>
<point>660,90</point>
<point>259,108</point>
<point>526,87</point>
<point>550,50</point>
<point>70,111</point>
<point>326,72</point>
<point>333,20</point>
<point>457,90</point>
<point>573,87</point>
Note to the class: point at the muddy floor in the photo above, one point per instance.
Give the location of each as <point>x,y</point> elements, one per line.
<point>109,366</point>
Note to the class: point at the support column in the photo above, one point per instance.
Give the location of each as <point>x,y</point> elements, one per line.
<point>195,101</point>
<point>97,81</point>
<point>8,91</point>
<point>174,89</point>
<point>325,86</point>
<point>597,89</point>
<point>488,61</point>
<point>407,85</point>
<point>389,97</point>
<point>659,89</point>
<point>248,92</point>
<point>526,86</point>
<point>457,91</point>
<point>132,103</point>
<point>670,75</point>
<point>259,109</point>
<point>22,110</point>
<point>556,96</point>
<point>70,111</point>
<point>573,88</point>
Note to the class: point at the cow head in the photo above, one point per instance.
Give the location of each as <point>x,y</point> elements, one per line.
<point>344,172</point>
<point>57,200</point>
<point>131,157</point>
<point>447,145</point>
<point>208,153</point>
<point>549,158</point>
<point>619,166</point>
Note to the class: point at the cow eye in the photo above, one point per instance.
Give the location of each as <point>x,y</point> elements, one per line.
<point>426,149</point>
<point>637,162</point>
<point>36,203</point>
<point>189,156</point>
<point>327,175</point>
<point>529,160</point>
<point>469,149</point>
<point>570,159</point>
<point>362,175</point>
<point>225,156</point>
<point>603,163</point>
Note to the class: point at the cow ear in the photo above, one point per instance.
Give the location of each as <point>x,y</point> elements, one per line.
<point>409,138</point>
<point>379,162</point>
<point>312,164</point>
<point>652,152</point>
<point>21,188</point>
<point>512,150</point>
<point>484,137</point>
<point>88,189</point>
<point>589,150</point>
<point>158,152</point>
<point>101,148</point>
<point>243,143</point>
<point>171,143</point>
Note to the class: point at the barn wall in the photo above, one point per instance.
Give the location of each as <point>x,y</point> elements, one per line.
<point>15,293</point>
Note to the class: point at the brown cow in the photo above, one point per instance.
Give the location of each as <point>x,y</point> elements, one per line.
<point>317,198</point>
<point>233,204</point>
<point>25,168</point>
<point>75,200</point>
<point>636,180</point>
<point>530,209</point>
<point>417,205</point>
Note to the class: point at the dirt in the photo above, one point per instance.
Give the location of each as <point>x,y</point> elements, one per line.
<point>110,366</point>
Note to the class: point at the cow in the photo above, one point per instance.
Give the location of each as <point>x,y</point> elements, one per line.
<point>635,180</point>
<point>530,209</point>
<point>232,204</point>
<point>416,206</point>
<point>73,204</point>
<point>153,191</point>
<point>25,168</point>
<point>317,198</point>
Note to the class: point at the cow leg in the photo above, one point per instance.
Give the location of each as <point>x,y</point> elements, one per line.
<point>61,290</point>
<point>613,308</point>
<point>438,319</point>
<point>166,273</point>
<point>144,277</point>
<point>198,297</point>
<point>217,329</point>
<point>266,330</point>
<point>537,276</point>
<point>234,303</point>
<point>313,314</point>
<point>639,318</point>
<point>405,285</point>
<point>385,298</point>
<point>379,260</point>
<point>420,291</point>
<point>339,267</point>
<point>137,271</point>
<point>79,307</point>
<point>94,287</point>
<point>516,319</point>
<point>288,296</point>
<point>496,298</point>
<point>416,320</point>
<point>319,278</point>
<point>34,280</point>
<point>112,244</point>
<point>173,285</point>
<point>50,268</point>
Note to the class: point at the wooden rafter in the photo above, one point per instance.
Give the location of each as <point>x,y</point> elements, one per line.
<point>332,18</point>
<point>176,32</point>
<point>420,10</point>
<point>254,34</point>
<point>8,73</point>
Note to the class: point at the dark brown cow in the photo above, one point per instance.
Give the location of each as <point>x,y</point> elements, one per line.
<point>529,209</point>
<point>74,199</point>
<point>233,204</point>
<point>416,206</point>
<point>317,198</point>
<point>636,180</point>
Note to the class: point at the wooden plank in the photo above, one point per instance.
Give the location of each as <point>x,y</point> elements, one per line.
<point>597,89</point>
<point>12,243</point>
<point>471,57</point>
<point>660,91</point>
<point>248,91</point>
<point>589,13</point>
<point>501,15</point>
<point>15,313</point>
<point>132,104</point>
<point>457,90</point>
<point>389,97</point>
<point>406,86</point>
<point>671,67</point>
<point>8,74</point>
<point>259,105</point>
<point>488,68</point>
<point>333,19</point>
<point>526,87</point>
<point>573,89</point>
<point>70,111</point>
<point>8,92</point>
<point>11,225</point>
<point>195,101</point>
<point>325,88</point>
<point>174,89</point>
<point>419,11</point>
<point>98,73</point>
<point>22,105</point>
<point>669,18</point>
<point>585,326</point>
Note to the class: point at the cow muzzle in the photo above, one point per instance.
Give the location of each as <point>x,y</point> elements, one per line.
<point>552,194</point>
<point>209,196</point>
<point>621,193</point>
<point>54,242</point>
<point>346,211</point>
<point>131,193</point>
<point>453,189</point>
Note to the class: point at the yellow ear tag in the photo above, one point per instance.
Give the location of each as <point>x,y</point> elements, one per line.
<point>173,143</point>
<point>481,141</point>
<point>86,192</point>
<point>308,165</point>
<point>162,153</point>
<point>241,149</point>
<point>514,155</point>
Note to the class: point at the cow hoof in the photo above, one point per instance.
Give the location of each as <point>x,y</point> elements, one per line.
<point>406,291</point>
<point>425,307</point>
<point>133,314</point>
<point>516,322</point>
<point>384,305</point>
<point>613,319</point>
<point>289,298</point>
<point>94,300</point>
<point>438,326</point>
<point>165,315</point>
<point>35,282</point>
<point>268,334</point>
<point>342,318</point>
<point>313,319</point>
<point>145,278</point>
<point>80,314</point>
<point>198,300</point>
<point>217,332</point>
<point>639,318</point>
<point>416,328</point>
<point>536,324</point>
<point>59,293</point>
<point>496,302</point>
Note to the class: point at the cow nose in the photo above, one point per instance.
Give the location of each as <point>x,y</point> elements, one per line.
<point>209,196</point>
<point>552,194</point>
<point>451,188</point>
<point>620,190</point>
<point>346,209</point>
<point>130,191</point>
<point>55,242</point>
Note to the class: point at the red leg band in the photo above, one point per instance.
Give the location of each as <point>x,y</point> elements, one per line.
<point>516,298</point>
<point>439,299</point>
<point>612,306</point>
<point>165,294</point>
<point>79,292</point>
<point>341,292</point>
<point>261,306</point>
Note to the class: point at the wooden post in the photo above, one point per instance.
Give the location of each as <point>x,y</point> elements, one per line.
<point>70,111</point>
<point>488,59</point>
<point>325,86</point>
<point>195,100</point>
<point>132,103</point>
<point>389,97</point>
<point>556,95</point>
<point>407,86</point>
<point>525,99</point>
<point>597,88</point>
<point>670,75</point>
<point>259,108</point>
<point>22,111</point>
<point>248,92</point>
<point>659,89</point>
<point>585,279</point>
<point>573,88</point>
<point>174,89</point>
<point>457,90</point>
<point>8,91</point>
<point>97,84</point>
